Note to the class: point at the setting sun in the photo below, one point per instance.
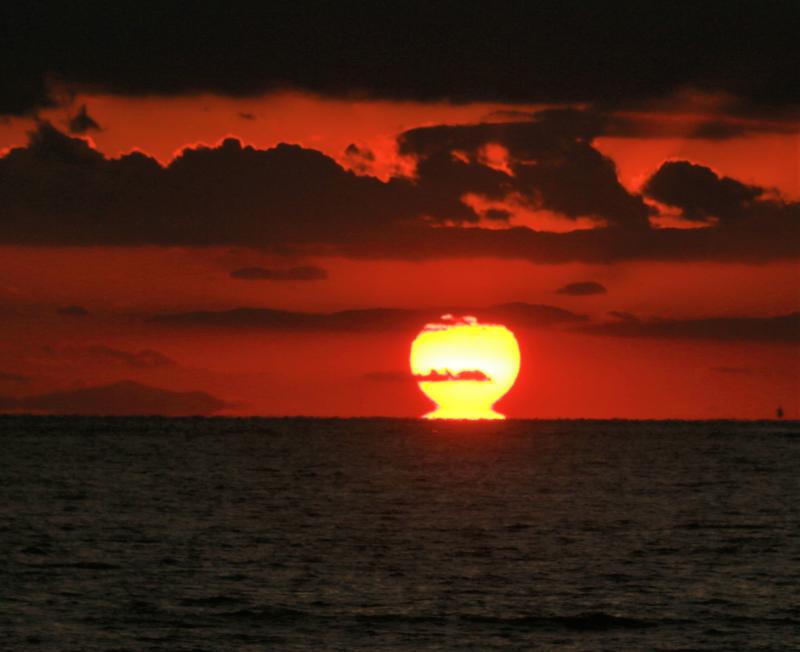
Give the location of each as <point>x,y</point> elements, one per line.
<point>465,367</point>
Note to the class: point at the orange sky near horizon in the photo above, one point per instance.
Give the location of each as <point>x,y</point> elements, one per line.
<point>564,374</point>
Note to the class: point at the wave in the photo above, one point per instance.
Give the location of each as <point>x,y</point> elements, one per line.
<point>596,621</point>
<point>592,621</point>
<point>267,614</point>
<point>80,565</point>
<point>210,601</point>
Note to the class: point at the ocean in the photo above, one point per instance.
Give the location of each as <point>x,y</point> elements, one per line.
<point>387,534</point>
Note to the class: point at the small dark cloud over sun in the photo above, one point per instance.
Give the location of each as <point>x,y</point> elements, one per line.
<point>447,375</point>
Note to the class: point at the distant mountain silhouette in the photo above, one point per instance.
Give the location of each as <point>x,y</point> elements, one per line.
<point>123,398</point>
<point>371,319</point>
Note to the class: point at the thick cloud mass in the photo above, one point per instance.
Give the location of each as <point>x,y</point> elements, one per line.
<point>549,157</point>
<point>700,193</point>
<point>548,50</point>
<point>60,191</point>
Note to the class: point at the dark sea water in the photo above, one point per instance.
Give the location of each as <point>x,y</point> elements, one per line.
<point>300,534</point>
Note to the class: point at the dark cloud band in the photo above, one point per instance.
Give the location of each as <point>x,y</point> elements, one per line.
<point>549,51</point>
<point>60,191</point>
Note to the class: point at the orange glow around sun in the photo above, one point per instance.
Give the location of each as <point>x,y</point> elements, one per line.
<point>465,367</point>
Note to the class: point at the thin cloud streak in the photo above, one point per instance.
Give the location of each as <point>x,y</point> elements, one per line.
<point>370,319</point>
<point>781,329</point>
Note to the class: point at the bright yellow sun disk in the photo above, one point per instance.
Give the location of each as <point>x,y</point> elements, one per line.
<point>486,355</point>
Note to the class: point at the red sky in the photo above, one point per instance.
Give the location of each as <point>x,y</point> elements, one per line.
<point>567,371</point>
